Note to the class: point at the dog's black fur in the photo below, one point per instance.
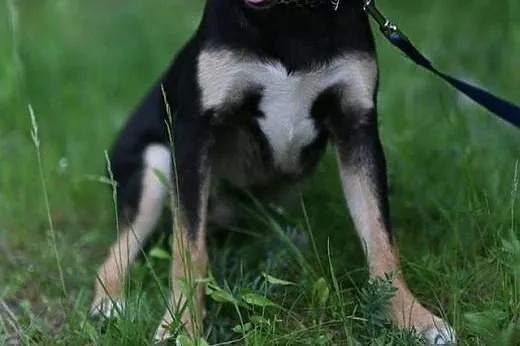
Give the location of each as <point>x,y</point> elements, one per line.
<point>302,41</point>
<point>209,141</point>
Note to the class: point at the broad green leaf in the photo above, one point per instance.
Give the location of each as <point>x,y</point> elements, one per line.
<point>275,281</point>
<point>219,295</point>
<point>255,299</point>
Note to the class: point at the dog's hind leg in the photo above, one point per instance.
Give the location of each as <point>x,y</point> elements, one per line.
<point>148,188</point>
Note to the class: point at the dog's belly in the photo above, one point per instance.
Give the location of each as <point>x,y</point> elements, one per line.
<point>240,161</point>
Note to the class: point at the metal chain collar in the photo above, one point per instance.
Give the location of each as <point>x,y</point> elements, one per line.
<point>310,3</point>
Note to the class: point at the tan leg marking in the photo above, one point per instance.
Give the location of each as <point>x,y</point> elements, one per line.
<point>110,277</point>
<point>382,259</point>
<point>189,266</point>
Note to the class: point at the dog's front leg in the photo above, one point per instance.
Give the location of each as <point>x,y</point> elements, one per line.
<point>190,200</point>
<point>363,176</point>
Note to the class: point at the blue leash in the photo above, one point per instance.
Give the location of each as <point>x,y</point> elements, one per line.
<point>500,107</point>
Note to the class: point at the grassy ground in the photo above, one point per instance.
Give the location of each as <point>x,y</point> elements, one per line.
<point>454,176</point>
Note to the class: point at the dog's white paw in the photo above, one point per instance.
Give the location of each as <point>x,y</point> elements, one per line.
<point>440,334</point>
<point>162,334</point>
<point>107,309</point>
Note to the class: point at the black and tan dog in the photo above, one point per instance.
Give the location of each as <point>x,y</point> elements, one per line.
<point>255,96</point>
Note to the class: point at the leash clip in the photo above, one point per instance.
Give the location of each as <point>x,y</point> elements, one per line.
<point>385,25</point>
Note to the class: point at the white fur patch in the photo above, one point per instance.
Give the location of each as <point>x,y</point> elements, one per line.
<point>287,97</point>
<point>109,287</point>
<point>363,208</point>
<point>154,190</point>
<point>441,334</point>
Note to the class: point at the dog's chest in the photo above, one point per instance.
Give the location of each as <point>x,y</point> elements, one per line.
<point>285,112</point>
<point>284,104</point>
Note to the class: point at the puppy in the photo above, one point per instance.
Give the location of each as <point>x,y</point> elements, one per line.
<point>250,103</point>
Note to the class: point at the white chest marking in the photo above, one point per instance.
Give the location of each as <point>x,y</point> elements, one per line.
<point>286,98</point>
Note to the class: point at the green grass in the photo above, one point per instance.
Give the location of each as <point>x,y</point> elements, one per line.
<point>453,172</point>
